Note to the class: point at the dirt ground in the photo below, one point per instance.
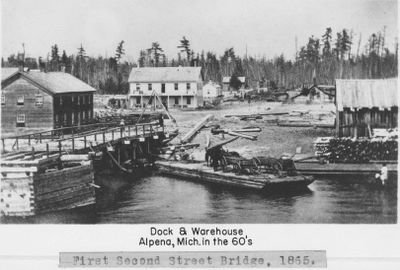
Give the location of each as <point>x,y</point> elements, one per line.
<point>273,140</point>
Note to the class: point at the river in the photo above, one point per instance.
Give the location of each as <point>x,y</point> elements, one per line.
<point>159,199</point>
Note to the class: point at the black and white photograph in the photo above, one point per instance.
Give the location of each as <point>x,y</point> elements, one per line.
<point>199,112</point>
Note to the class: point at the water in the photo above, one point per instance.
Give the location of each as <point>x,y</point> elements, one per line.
<point>158,199</point>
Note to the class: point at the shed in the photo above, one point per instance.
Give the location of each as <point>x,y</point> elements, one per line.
<point>362,105</point>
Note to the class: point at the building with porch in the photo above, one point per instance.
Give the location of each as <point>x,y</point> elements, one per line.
<point>179,87</point>
<point>36,101</point>
<point>362,105</point>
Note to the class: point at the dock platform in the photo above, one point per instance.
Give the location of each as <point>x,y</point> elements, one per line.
<point>202,173</point>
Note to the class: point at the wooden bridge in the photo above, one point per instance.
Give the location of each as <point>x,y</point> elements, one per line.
<point>53,170</point>
<point>42,145</point>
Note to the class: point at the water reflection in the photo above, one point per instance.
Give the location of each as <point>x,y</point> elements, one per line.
<point>157,199</point>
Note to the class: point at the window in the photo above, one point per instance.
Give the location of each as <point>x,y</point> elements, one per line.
<point>20,100</point>
<point>138,87</point>
<point>176,100</point>
<point>38,100</point>
<point>176,86</point>
<point>87,99</point>
<point>3,99</point>
<point>65,119</point>
<point>79,100</point>
<point>73,99</point>
<point>57,118</point>
<point>90,99</point>
<point>72,118</point>
<point>21,120</point>
<point>61,100</point>
<point>137,100</point>
<point>188,86</point>
<point>84,115</point>
<point>163,88</point>
<point>150,87</point>
<point>90,114</point>
<point>188,100</point>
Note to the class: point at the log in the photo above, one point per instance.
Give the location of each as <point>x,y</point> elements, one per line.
<point>74,157</point>
<point>189,136</point>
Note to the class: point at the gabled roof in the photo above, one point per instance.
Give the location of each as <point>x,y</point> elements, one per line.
<point>52,82</point>
<point>366,93</point>
<point>228,79</point>
<point>7,72</point>
<point>165,74</point>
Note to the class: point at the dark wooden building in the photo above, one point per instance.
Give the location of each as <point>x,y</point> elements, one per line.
<point>362,105</point>
<point>35,101</point>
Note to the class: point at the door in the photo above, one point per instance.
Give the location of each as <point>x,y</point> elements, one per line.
<point>163,88</point>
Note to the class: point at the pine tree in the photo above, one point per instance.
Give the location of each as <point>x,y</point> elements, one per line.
<point>155,52</point>
<point>185,47</point>
<point>119,51</point>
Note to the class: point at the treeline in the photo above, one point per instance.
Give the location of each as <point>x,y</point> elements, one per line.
<point>327,58</point>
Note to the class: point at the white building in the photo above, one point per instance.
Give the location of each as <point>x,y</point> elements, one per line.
<point>211,91</point>
<point>177,86</point>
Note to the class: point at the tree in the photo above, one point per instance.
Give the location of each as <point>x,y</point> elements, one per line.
<point>185,47</point>
<point>234,82</point>
<point>327,39</point>
<point>119,51</point>
<point>55,58</point>
<point>81,60</point>
<point>155,52</point>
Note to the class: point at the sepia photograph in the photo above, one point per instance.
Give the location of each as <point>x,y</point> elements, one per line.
<point>202,111</point>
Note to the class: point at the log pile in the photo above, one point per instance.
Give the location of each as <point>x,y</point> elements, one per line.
<point>360,150</point>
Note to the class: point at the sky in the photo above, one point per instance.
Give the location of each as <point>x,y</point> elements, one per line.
<point>263,27</point>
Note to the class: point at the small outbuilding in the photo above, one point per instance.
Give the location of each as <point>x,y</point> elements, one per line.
<point>211,91</point>
<point>362,105</point>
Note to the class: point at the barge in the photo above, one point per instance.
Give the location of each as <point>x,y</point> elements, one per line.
<point>265,182</point>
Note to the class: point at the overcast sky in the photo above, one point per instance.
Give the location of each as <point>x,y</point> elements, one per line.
<point>266,27</point>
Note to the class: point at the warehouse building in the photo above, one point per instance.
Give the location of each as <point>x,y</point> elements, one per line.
<point>36,101</point>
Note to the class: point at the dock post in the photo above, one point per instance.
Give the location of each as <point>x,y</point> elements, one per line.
<point>129,131</point>
<point>144,130</point>
<point>136,130</point>
<point>84,141</point>
<point>47,150</point>
<point>112,134</point>
<point>17,144</point>
<point>59,148</point>
<point>33,152</point>
<point>95,137</point>
<point>29,139</point>
<point>120,132</point>
<point>4,145</point>
<point>40,137</point>
<point>73,143</point>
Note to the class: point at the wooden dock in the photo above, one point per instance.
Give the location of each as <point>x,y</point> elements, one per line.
<point>46,171</point>
<point>202,173</point>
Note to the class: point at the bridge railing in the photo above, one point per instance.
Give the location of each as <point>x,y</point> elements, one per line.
<point>94,134</point>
